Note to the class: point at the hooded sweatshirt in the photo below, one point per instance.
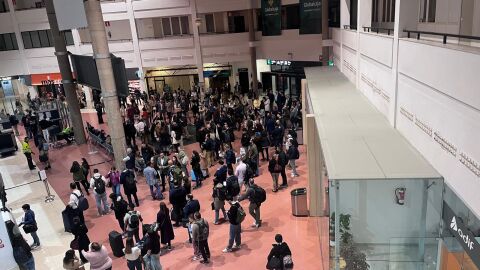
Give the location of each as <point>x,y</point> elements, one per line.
<point>92,181</point>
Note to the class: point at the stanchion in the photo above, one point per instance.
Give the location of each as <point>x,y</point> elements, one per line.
<point>43,176</point>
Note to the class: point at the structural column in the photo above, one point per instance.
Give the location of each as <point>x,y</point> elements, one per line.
<point>253,49</point>
<point>325,33</point>
<point>315,168</point>
<point>196,41</point>
<point>18,36</point>
<point>101,52</point>
<point>67,79</point>
<point>136,46</point>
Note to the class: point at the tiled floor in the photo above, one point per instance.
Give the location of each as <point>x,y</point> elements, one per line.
<point>308,243</point>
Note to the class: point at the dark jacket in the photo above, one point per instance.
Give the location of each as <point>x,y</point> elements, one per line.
<point>232,214</point>
<point>177,197</point>
<point>29,218</point>
<point>127,188</point>
<point>153,243</point>
<point>279,251</point>
<point>191,207</point>
<point>282,159</point>
<point>165,227</point>
<point>292,152</point>
<point>130,163</point>
<point>271,166</point>
<point>248,194</point>
<point>230,157</point>
<point>120,208</point>
<point>221,174</point>
<point>80,232</point>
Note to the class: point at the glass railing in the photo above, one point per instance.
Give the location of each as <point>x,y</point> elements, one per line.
<point>398,254</point>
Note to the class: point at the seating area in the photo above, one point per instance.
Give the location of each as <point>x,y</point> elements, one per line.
<point>100,138</point>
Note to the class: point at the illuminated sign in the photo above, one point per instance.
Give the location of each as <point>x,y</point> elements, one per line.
<point>278,62</point>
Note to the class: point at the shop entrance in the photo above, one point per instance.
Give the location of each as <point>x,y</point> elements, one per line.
<point>243,80</point>
<point>289,84</point>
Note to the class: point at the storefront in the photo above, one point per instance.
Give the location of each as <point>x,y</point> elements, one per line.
<point>48,85</point>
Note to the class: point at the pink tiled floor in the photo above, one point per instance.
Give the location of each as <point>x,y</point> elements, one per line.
<point>308,243</point>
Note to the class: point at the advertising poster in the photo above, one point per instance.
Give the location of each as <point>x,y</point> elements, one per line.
<point>310,17</point>
<point>272,17</point>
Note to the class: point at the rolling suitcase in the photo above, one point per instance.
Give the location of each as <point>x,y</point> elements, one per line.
<point>66,221</point>
<point>116,243</point>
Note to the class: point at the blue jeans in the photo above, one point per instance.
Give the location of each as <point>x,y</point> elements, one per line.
<point>132,265</point>
<point>235,235</point>
<point>30,264</point>
<point>153,261</point>
<point>36,241</point>
<point>99,200</point>
<point>116,189</point>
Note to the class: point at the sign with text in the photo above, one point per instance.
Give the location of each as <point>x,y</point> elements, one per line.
<point>463,235</point>
<point>310,17</point>
<point>272,17</point>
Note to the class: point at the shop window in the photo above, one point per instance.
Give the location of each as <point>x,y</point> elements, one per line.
<point>43,39</point>
<point>8,42</point>
<point>3,6</point>
<point>427,10</point>
<point>290,17</point>
<point>210,23</point>
<point>184,22</point>
<point>175,26</point>
<point>167,29</point>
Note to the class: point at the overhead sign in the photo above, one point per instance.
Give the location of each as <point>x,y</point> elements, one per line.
<point>462,234</point>
<point>271,17</point>
<point>70,14</point>
<point>310,17</point>
<point>279,62</point>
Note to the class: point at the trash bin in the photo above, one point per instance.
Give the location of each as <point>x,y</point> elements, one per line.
<point>299,202</point>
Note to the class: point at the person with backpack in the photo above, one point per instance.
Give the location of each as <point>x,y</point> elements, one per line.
<point>132,223</point>
<point>77,203</point>
<point>127,179</point>
<point>256,195</point>
<point>79,176</point>
<point>120,207</point>
<point>200,233</point>
<point>236,215</point>
<point>81,240</point>
<point>230,157</point>
<point>232,185</point>
<point>178,200</point>
<point>30,225</point>
<point>280,257</point>
<point>221,173</point>
<point>219,196</point>
<point>293,154</point>
<point>152,246</point>
<point>99,185</point>
<point>274,168</point>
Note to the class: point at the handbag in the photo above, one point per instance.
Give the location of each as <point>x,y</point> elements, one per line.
<point>74,244</point>
<point>288,262</point>
<point>29,228</point>
<point>274,263</point>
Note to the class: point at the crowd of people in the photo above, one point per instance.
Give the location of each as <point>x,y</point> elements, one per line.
<point>234,132</point>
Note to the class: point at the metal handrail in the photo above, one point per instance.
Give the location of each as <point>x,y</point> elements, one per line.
<point>445,35</point>
<point>377,29</point>
<point>351,27</point>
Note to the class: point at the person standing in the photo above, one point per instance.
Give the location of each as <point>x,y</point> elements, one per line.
<point>98,257</point>
<point>293,154</point>
<point>178,200</point>
<point>162,164</point>
<point>71,261</point>
<point>22,253</point>
<point>114,179</point>
<point>151,177</point>
<point>99,186</point>
<point>200,233</point>
<point>235,216</point>
<point>99,109</point>
<point>27,151</point>
<point>165,226</point>
<point>282,161</point>
<point>132,255</point>
<point>274,168</point>
<point>240,172</point>
<point>72,206</point>
<point>79,176</point>
<point>196,168</point>
<point>152,245</point>
<point>14,122</point>
<point>279,250</point>
<point>85,167</point>
<point>132,222</point>
<point>208,148</point>
<point>120,208</point>
<point>219,196</point>
<point>79,230</point>
<point>254,207</point>
<point>30,225</point>
<point>127,179</point>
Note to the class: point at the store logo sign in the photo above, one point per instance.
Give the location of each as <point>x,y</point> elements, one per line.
<point>453,224</point>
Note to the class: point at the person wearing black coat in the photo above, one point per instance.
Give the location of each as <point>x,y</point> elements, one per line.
<point>165,226</point>
<point>229,157</point>
<point>79,230</point>
<point>235,228</point>
<point>178,200</point>
<point>191,207</point>
<point>221,173</point>
<point>282,161</point>
<point>277,135</point>
<point>120,208</point>
<point>130,189</point>
<point>197,169</point>
<point>279,250</point>
<point>274,168</point>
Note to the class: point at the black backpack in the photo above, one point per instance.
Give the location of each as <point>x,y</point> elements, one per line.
<point>82,202</point>
<point>259,194</point>
<point>134,220</point>
<point>233,188</point>
<point>99,185</point>
<point>296,153</point>
<point>221,193</point>
<point>130,179</point>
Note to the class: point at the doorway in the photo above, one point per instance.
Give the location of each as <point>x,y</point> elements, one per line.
<point>243,80</point>
<point>239,24</point>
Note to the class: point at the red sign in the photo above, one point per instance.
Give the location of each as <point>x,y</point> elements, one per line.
<point>46,79</point>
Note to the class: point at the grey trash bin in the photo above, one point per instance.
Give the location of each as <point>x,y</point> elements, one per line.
<point>299,202</point>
